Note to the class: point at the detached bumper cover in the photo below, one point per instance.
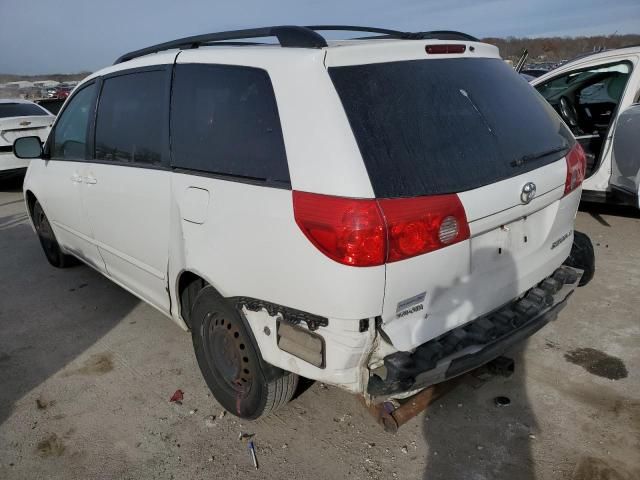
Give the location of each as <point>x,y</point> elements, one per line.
<point>472,345</point>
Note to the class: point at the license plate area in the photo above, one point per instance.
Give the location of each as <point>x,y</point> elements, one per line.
<point>504,245</point>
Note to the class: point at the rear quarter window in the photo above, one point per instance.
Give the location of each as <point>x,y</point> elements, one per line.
<point>224,121</point>
<point>444,126</point>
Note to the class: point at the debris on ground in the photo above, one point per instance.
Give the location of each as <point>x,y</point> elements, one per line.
<point>42,404</point>
<point>404,449</point>
<point>343,418</point>
<point>252,452</point>
<point>502,401</point>
<point>245,436</point>
<point>191,412</point>
<point>222,413</point>
<point>177,397</point>
<point>210,421</point>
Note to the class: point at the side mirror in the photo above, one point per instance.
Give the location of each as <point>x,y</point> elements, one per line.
<point>27,147</point>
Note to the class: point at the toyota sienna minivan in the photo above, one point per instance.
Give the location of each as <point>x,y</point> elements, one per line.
<point>381,214</point>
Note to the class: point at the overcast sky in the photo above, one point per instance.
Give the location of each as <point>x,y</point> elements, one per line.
<point>67,36</point>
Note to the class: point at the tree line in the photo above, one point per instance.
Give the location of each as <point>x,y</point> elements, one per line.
<point>555,49</point>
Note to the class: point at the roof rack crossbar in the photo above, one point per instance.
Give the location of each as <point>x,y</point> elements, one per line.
<point>288,36</point>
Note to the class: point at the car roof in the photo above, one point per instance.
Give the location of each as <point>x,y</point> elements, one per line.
<point>634,49</point>
<point>578,61</point>
<point>335,53</point>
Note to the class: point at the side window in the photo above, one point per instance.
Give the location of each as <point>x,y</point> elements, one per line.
<point>70,134</point>
<point>224,120</point>
<point>132,122</point>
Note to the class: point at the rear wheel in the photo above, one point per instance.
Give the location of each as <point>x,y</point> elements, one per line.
<point>50,245</point>
<point>230,363</point>
<point>583,257</point>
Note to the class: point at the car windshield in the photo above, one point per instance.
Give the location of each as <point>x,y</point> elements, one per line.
<point>8,110</point>
<point>444,126</point>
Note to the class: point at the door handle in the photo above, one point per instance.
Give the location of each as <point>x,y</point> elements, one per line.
<point>90,180</point>
<point>75,178</point>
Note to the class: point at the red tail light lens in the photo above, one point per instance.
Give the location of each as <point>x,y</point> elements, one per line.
<point>349,231</point>
<point>576,168</point>
<point>423,224</point>
<point>371,232</point>
<point>443,49</point>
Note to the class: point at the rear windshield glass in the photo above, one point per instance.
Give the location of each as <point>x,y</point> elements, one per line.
<point>20,110</point>
<point>443,126</point>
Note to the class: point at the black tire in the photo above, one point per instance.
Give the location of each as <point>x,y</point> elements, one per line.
<point>50,245</point>
<point>583,257</point>
<point>235,372</point>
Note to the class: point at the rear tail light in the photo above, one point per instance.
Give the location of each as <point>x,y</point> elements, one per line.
<point>446,48</point>
<point>349,231</point>
<point>423,224</point>
<point>367,232</point>
<point>576,168</point>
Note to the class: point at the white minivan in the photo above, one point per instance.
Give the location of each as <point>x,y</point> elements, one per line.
<point>380,214</point>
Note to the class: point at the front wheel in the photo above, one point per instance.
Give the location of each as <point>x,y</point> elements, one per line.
<point>50,245</point>
<point>230,363</point>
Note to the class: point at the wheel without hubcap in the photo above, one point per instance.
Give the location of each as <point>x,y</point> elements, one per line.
<point>231,365</point>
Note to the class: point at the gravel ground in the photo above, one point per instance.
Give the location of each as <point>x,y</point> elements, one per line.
<point>86,372</point>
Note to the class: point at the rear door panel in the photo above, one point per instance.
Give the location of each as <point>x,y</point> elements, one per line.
<point>625,171</point>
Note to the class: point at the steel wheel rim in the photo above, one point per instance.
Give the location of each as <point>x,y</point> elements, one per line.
<point>226,354</point>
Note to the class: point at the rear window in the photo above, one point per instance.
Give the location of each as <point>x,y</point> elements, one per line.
<point>429,127</point>
<point>21,110</point>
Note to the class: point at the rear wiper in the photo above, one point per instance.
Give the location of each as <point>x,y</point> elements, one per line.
<point>537,156</point>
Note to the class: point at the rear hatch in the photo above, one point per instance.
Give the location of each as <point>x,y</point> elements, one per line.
<point>22,120</point>
<point>471,127</point>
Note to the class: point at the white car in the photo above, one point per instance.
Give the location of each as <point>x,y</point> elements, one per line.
<point>598,97</point>
<point>20,118</point>
<point>379,214</point>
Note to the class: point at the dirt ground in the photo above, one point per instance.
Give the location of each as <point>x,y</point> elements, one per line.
<point>86,372</point>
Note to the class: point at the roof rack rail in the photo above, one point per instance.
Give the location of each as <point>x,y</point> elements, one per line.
<point>287,35</point>
<point>291,36</point>
<point>386,33</point>
<point>352,28</point>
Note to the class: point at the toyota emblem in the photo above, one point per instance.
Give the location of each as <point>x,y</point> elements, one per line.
<point>528,192</point>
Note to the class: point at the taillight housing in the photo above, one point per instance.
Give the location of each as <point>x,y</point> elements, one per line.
<point>423,224</point>
<point>369,232</point>
<point>576,168</point>
<point>350,231</point>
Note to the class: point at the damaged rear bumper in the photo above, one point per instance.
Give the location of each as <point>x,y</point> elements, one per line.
<point>472,345</point>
